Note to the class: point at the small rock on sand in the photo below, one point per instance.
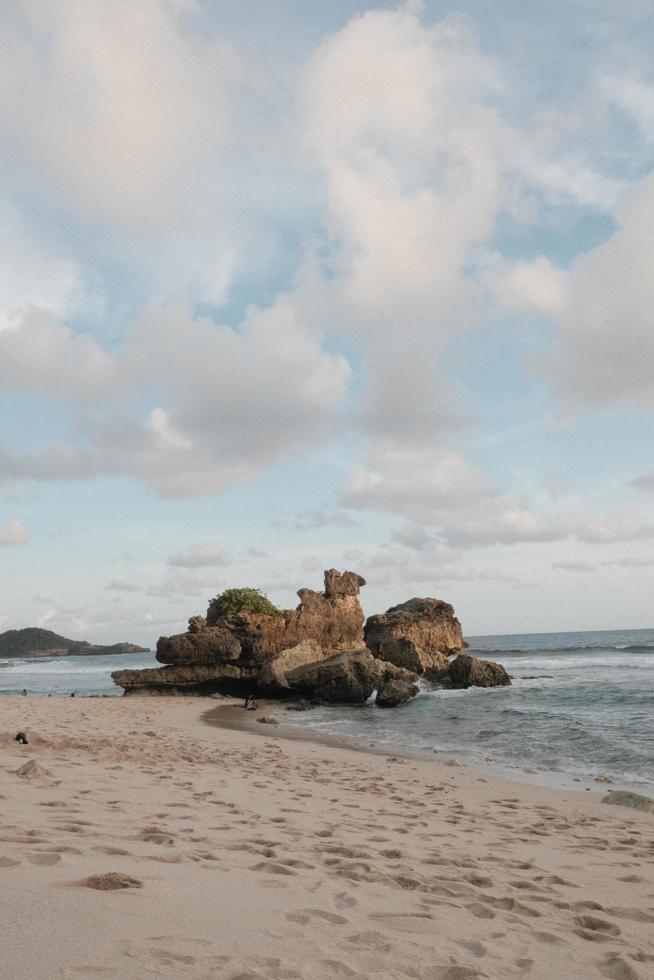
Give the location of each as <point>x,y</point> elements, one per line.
<point>32,770</point>
<point>268,721</point>
<point>634,800</point>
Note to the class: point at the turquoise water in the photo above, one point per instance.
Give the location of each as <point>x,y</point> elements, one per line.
<point>581,704</point>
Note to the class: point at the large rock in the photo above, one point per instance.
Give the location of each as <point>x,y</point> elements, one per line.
<point>212,645</point>
<point>416,635</point>
<point>201,679</point>
<point>238,646</point>
<point>271,679</point>
<point>396,691</point>
<point>467,671</point>
<point>333,618</point>
<point>351,678</point>
<point>345,678</point>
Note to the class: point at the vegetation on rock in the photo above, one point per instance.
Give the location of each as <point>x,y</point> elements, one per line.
<point>233,601</point>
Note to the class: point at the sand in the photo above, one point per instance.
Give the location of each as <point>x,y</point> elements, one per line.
<point>145,842</point>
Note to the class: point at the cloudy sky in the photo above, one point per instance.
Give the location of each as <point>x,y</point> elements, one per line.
<point>288,285</point>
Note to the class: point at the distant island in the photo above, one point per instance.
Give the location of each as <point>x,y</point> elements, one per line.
<point>34,642</point>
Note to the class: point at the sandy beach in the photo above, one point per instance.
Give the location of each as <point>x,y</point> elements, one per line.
<point>145,841</point>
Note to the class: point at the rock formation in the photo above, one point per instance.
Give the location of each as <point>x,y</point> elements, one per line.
<point>272,673</point>
<point>346,678</point>
<point>238,647</point>
<point>467,671</point>
<point>416,635</point>
<point>396,691</point>
<point>319,650</point>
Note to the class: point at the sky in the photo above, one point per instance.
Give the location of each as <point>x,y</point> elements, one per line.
<point>287,286</point>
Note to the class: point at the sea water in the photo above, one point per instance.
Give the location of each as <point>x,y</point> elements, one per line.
<point>580,705</point>
<point>68,675</point>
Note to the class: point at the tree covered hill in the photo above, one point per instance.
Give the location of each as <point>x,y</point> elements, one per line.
<point>35,642</point>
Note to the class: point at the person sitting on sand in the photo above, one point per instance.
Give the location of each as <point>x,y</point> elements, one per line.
<point>250,703</point>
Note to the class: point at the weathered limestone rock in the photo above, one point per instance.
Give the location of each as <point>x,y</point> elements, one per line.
<point>271,678</point>
<point>188,679</point>
<point>345,678</point>
<point>242,643</point>
<point>395,692</point>
<point>213,645</point>
<point>334,618</point>
<point>196,624</point>
<point>350,678</point>
<point>417,634</point>
<point>467,671</point>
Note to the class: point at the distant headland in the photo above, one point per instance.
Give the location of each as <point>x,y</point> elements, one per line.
<point>35,642</point>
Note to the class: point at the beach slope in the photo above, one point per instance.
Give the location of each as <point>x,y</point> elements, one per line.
<point>141,841</point>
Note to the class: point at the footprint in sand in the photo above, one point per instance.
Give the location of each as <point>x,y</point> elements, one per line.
<point>44,859</point>
<point>7,862</point>
<point>344,901</point>
<point>271,867</point>
<point>154,835</point>
<point>474,947</point>
<point>304,916</point>
<point>596,930</point>
<point>480,911</point>
<point>615,967</point>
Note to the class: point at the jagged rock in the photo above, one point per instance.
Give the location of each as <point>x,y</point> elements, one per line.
<point>237,646</point>
<point>416,635</point>
<point>396,692</point>
<point>334,618</point>
<point>271,679</point>
<point>342,583</point>
<point>213,645</point>
<point>466,671</point>
<point>345,678</point>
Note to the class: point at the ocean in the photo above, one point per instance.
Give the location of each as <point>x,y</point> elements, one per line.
<point>581,705</point>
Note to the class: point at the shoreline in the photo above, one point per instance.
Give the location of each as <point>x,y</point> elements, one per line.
<point>230,715</point>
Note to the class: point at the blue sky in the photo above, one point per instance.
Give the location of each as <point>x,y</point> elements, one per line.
<point>286,286</point>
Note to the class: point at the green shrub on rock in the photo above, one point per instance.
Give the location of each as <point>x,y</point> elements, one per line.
<point>233,601</point>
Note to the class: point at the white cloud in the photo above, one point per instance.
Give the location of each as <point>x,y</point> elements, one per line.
<point>644,482</point>
<point>116,585</point>
<point>605,343</point>
<point>29,276</point>
<point>425,486</point>
<point>573,566</point>
<point>203,555</point>
<point>41,357</point>
<point>231,402</point>
<point>13,533</point>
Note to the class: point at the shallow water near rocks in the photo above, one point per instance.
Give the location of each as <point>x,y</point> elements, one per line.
<point>581,705</point>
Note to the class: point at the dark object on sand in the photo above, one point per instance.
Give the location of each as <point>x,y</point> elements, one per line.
<point>22,738</point>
